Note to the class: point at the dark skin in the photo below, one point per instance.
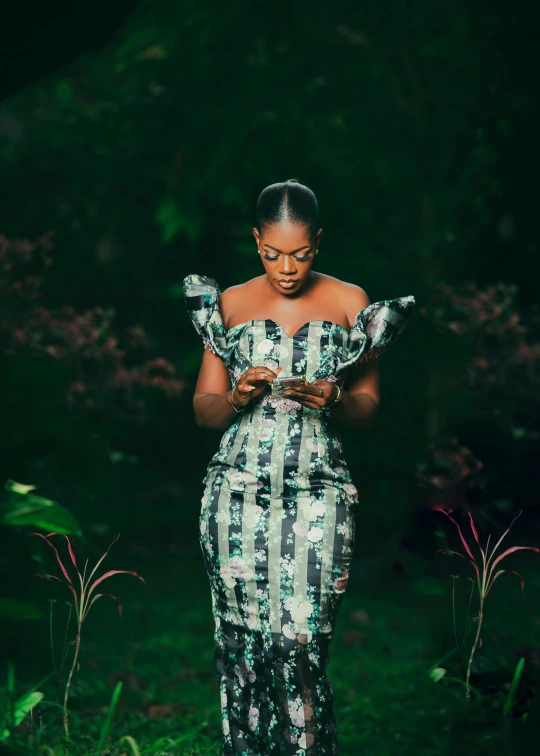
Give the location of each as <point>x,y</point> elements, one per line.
<point>287,253</point>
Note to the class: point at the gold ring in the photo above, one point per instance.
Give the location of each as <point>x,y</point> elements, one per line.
<point>321,392</point>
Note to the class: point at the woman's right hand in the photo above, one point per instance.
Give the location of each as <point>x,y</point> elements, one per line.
<point>252,383</point>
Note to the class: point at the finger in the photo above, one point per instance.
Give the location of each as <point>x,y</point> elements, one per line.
<point>259,374</point>
<point>245,389</point>
<point>260,378</point>
<point>263,379</point>
<point>303,391</point>
<point>305,388</point>
<point>312,389</point>
<point>319,387</point>
<point>293,393</point>
<point>260,369</point>
<point>312,405</point>
<point>306,399</point>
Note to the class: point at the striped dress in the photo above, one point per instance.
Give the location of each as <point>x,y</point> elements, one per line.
<point>277,526</point>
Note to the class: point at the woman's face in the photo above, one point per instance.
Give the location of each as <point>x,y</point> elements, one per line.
<point>287,253</point>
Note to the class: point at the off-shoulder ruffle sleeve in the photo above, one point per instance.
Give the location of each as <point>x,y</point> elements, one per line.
<point>375,328</point>
<point>201,295</point>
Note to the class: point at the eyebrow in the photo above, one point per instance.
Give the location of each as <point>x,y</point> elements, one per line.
<point>292,253</point>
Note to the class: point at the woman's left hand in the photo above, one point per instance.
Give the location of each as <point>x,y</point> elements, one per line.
<point>315,394</point>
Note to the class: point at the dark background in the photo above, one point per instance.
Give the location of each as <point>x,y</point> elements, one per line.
<point>135,139</point>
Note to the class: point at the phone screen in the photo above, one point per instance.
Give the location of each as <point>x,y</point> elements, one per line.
<point>290,380</point>
<point>280,383</point>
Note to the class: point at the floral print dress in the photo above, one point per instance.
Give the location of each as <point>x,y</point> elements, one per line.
<point>277,526</point>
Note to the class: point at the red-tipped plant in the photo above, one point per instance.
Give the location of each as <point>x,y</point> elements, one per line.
<point>83,600</point>
<point>485,573</point>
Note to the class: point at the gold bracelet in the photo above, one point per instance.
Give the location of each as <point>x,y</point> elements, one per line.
<point>229,397</point>
<point>337,399</point>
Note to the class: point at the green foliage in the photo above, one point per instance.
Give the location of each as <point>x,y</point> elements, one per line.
<point>510,701</point>
<point>21,507</point>
<point>437,674</point>
<point>107,725</point>
<point>13,711</point>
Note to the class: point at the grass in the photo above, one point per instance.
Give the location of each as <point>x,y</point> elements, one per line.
<point>391,630</point>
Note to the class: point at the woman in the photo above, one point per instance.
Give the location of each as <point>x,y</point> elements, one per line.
<point>277,518</point>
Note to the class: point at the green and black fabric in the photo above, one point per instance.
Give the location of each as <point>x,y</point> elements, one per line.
<point>277,526</point>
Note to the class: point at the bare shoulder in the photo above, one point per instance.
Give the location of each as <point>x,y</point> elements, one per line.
<point>234,297</point>
<point>353,297</point>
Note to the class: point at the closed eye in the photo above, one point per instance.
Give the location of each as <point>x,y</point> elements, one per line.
<point>300,259</point>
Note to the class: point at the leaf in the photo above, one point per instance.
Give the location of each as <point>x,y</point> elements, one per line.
<point>456,553</point>
<point>437,674</point>
<point>132,743</point>
<point>469,552</point>
<point>509,551</point>
<point>103,557</point>
<point>473,528</point>
<point>45,538</point>
<point>25,704</point>
<point>450,553</point>
<point>72,555</point>
<point>501,538</point>
<point>513,687</point>
<point>71,588</point>
<point>500,572</point>
<point>109,574</point>
<point>40,513</point>
<point>100,595</point>
<point>108,721</point>
<point>20,488</point>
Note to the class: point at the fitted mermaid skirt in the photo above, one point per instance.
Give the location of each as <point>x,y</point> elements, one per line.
<point>277,527</point>
<point>278,567</point>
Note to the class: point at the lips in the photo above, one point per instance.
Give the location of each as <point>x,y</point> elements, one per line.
<point>287,283</point>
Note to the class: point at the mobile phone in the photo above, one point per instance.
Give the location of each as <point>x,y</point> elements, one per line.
<point>287,381</point>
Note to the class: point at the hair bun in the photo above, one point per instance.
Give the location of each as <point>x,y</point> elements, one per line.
<point>292,181</point>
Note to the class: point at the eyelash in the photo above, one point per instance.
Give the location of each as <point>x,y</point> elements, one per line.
<point>300,259</point>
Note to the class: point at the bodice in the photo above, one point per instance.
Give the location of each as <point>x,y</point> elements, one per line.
<point>318,349</point>
<point>277,447</point>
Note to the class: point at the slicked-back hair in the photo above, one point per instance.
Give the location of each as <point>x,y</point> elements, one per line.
<point>288,200</point>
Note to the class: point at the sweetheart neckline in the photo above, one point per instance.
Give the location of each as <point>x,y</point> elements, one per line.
<point>290,337</point>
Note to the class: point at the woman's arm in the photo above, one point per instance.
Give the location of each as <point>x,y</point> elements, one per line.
<point>210,401</point>
<point>360,398</point>
<point>360,401</point>
<point>213,394</point>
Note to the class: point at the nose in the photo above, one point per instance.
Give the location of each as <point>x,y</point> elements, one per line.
<point>287,266</point>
